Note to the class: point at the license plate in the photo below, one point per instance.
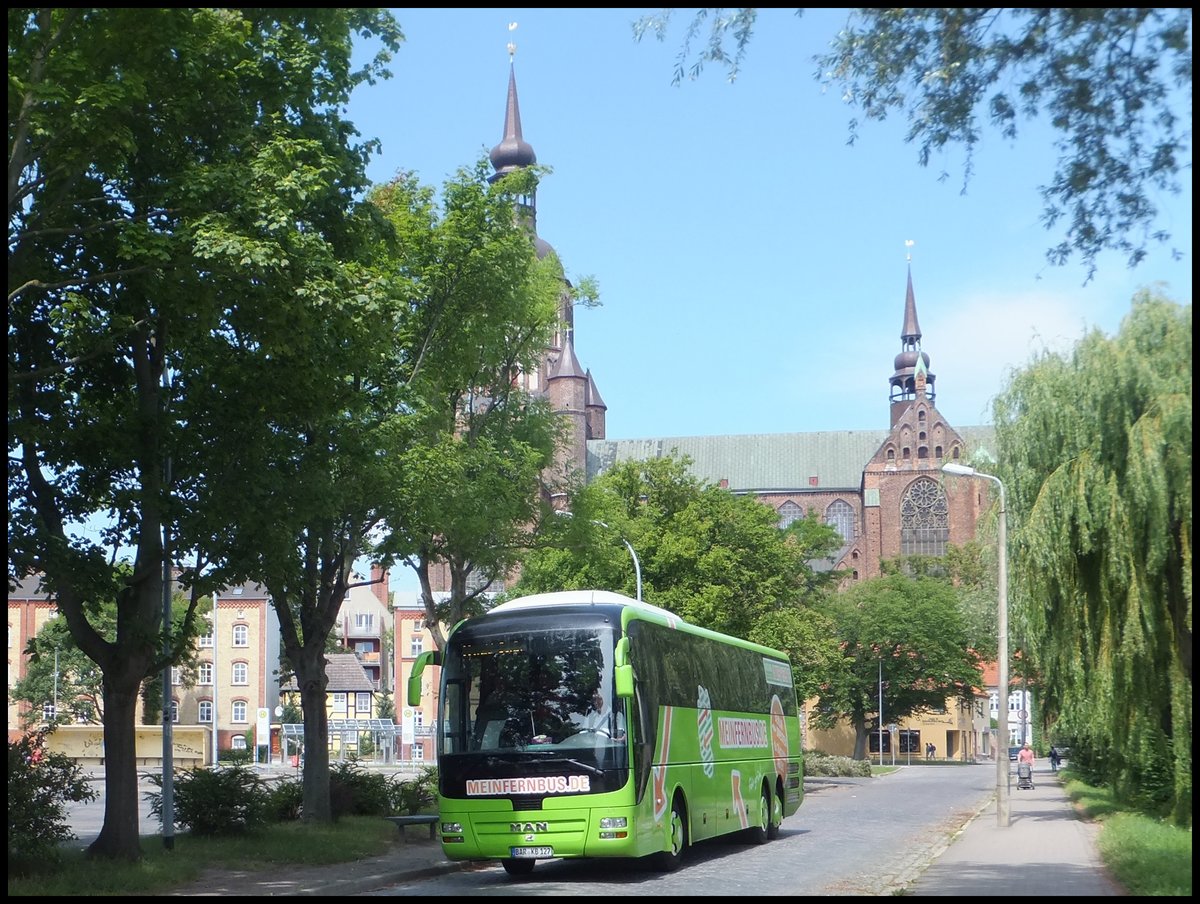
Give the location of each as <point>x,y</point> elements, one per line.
<point>526,853</point>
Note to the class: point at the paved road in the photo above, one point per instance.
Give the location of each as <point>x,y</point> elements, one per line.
<point>850,837</point>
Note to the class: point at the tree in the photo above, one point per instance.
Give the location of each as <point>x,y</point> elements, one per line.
<point>1109,79</point>
<point>59,671</point>
<point>1098,461</point>
<point>910,631</point>
<point>179,181</point>
<point>483,306</point>
<point>715,559</point>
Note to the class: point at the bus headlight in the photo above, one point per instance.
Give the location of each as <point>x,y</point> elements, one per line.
<point>452,827</point>
<point>613,822</point>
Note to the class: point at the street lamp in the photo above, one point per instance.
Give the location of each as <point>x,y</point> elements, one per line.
<point>637,566</point>
<point>1002,815</point>
<point>215,635</point>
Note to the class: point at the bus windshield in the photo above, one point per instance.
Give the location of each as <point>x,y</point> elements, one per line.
<point>546,691</point>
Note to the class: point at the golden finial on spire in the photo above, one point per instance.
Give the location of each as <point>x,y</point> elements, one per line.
<point>908,243</point>
<point>512,47</point>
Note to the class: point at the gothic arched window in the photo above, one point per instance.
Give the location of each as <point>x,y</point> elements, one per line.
<point>789,512</point>
<point>840,515</point>
<point>924,521</point>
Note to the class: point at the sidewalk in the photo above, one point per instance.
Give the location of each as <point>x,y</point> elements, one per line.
<point>1047,850</point>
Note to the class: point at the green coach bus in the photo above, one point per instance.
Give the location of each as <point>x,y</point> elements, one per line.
<point>585,723</point>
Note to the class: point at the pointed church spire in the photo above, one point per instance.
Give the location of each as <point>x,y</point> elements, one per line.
<point>911,377</point>
<point>513,151</point>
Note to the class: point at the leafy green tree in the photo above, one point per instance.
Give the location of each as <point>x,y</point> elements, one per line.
<point>179,180</point>
<point>483,307</point>
<point>58,670</point>
<point>912,629</point>
<point>716,559</point>
<point>1098,464</point>
<point>1110,80</point>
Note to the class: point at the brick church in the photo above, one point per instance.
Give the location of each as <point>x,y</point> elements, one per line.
<point>881,489</point>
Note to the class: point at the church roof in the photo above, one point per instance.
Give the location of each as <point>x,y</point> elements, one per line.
<point>768,462</point>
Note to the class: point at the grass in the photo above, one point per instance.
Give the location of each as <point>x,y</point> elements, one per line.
<point>351,838</point>
<point>1146,855</point>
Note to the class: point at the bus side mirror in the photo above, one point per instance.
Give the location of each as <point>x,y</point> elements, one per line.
<point>624,677</point>
<point>621,654</point>
<point>429,657</point>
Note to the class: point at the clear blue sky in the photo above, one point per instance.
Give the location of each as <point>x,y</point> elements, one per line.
<point>751,264</point>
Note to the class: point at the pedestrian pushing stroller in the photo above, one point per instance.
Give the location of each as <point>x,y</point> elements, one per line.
<point>1024,777</point>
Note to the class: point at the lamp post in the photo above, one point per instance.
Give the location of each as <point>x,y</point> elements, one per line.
<point>216,737</point>
<point>637,566</point>
<point>1002,809</point>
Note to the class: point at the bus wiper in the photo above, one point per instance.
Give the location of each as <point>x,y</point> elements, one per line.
<point>586,767</point>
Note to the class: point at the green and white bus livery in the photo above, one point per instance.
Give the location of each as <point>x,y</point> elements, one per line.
<point>589,724</point>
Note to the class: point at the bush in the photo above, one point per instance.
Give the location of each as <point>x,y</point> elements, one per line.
<point>817,763</point>
<point>39,785</point>
<point>285,800</point>
<point>355,791</point>
<point>410,796</point>
<point>224,801</point>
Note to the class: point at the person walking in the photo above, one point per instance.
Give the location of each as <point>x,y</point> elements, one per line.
<point>1055,758</point>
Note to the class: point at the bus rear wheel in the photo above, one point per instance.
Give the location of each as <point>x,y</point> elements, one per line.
<point>760,833</point>
<point>669,860</point>
<point>776,814</point>
<point>515,867</point>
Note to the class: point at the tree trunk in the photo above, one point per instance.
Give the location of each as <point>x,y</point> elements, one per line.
<point>119,837</point>
<point>312,680</point>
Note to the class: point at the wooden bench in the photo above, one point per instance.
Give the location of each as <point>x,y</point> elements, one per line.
<point>425,819</point>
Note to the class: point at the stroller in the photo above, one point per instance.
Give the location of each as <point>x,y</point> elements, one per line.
<point>1024,777</point>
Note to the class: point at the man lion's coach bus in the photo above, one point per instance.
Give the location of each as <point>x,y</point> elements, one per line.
<point>588,724</point>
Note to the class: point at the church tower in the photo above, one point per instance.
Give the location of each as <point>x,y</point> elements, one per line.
<point>559,377</point>
<point>910,361</point>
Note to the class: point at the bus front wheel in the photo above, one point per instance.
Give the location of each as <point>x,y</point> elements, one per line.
<point>669,860</point>
<point>515,867</point>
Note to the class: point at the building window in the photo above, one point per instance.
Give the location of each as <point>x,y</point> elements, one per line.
<point>206,639</point>
<point>922,451</point>
<point>205,714</point>
<point>416,645</point>
<point>339,703</point>
<point>176,675</point>
<point>924,521</point>
<point>906,453</point>
<point>241,673</point>
<point>241,636</point>
<point>840,515</point>
<point>362,703</point>
<point>418,718</point>
<point>891,455</point>
<point>789,512</point>
<point>174,710</point>
<point>418,751</point>
<point>478,580</point>
<point>237,742</point>
<point>937,452</point>
<point>921,416</point>
<point>239,711</point>
<point>994,702</point>
<point>418,625</point>
<point>49,712</point>
<point>205,673</point>
<point>364,621</point>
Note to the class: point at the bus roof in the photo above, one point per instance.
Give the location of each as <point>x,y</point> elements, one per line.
<point>582,598</point>
<point>610,598</point>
